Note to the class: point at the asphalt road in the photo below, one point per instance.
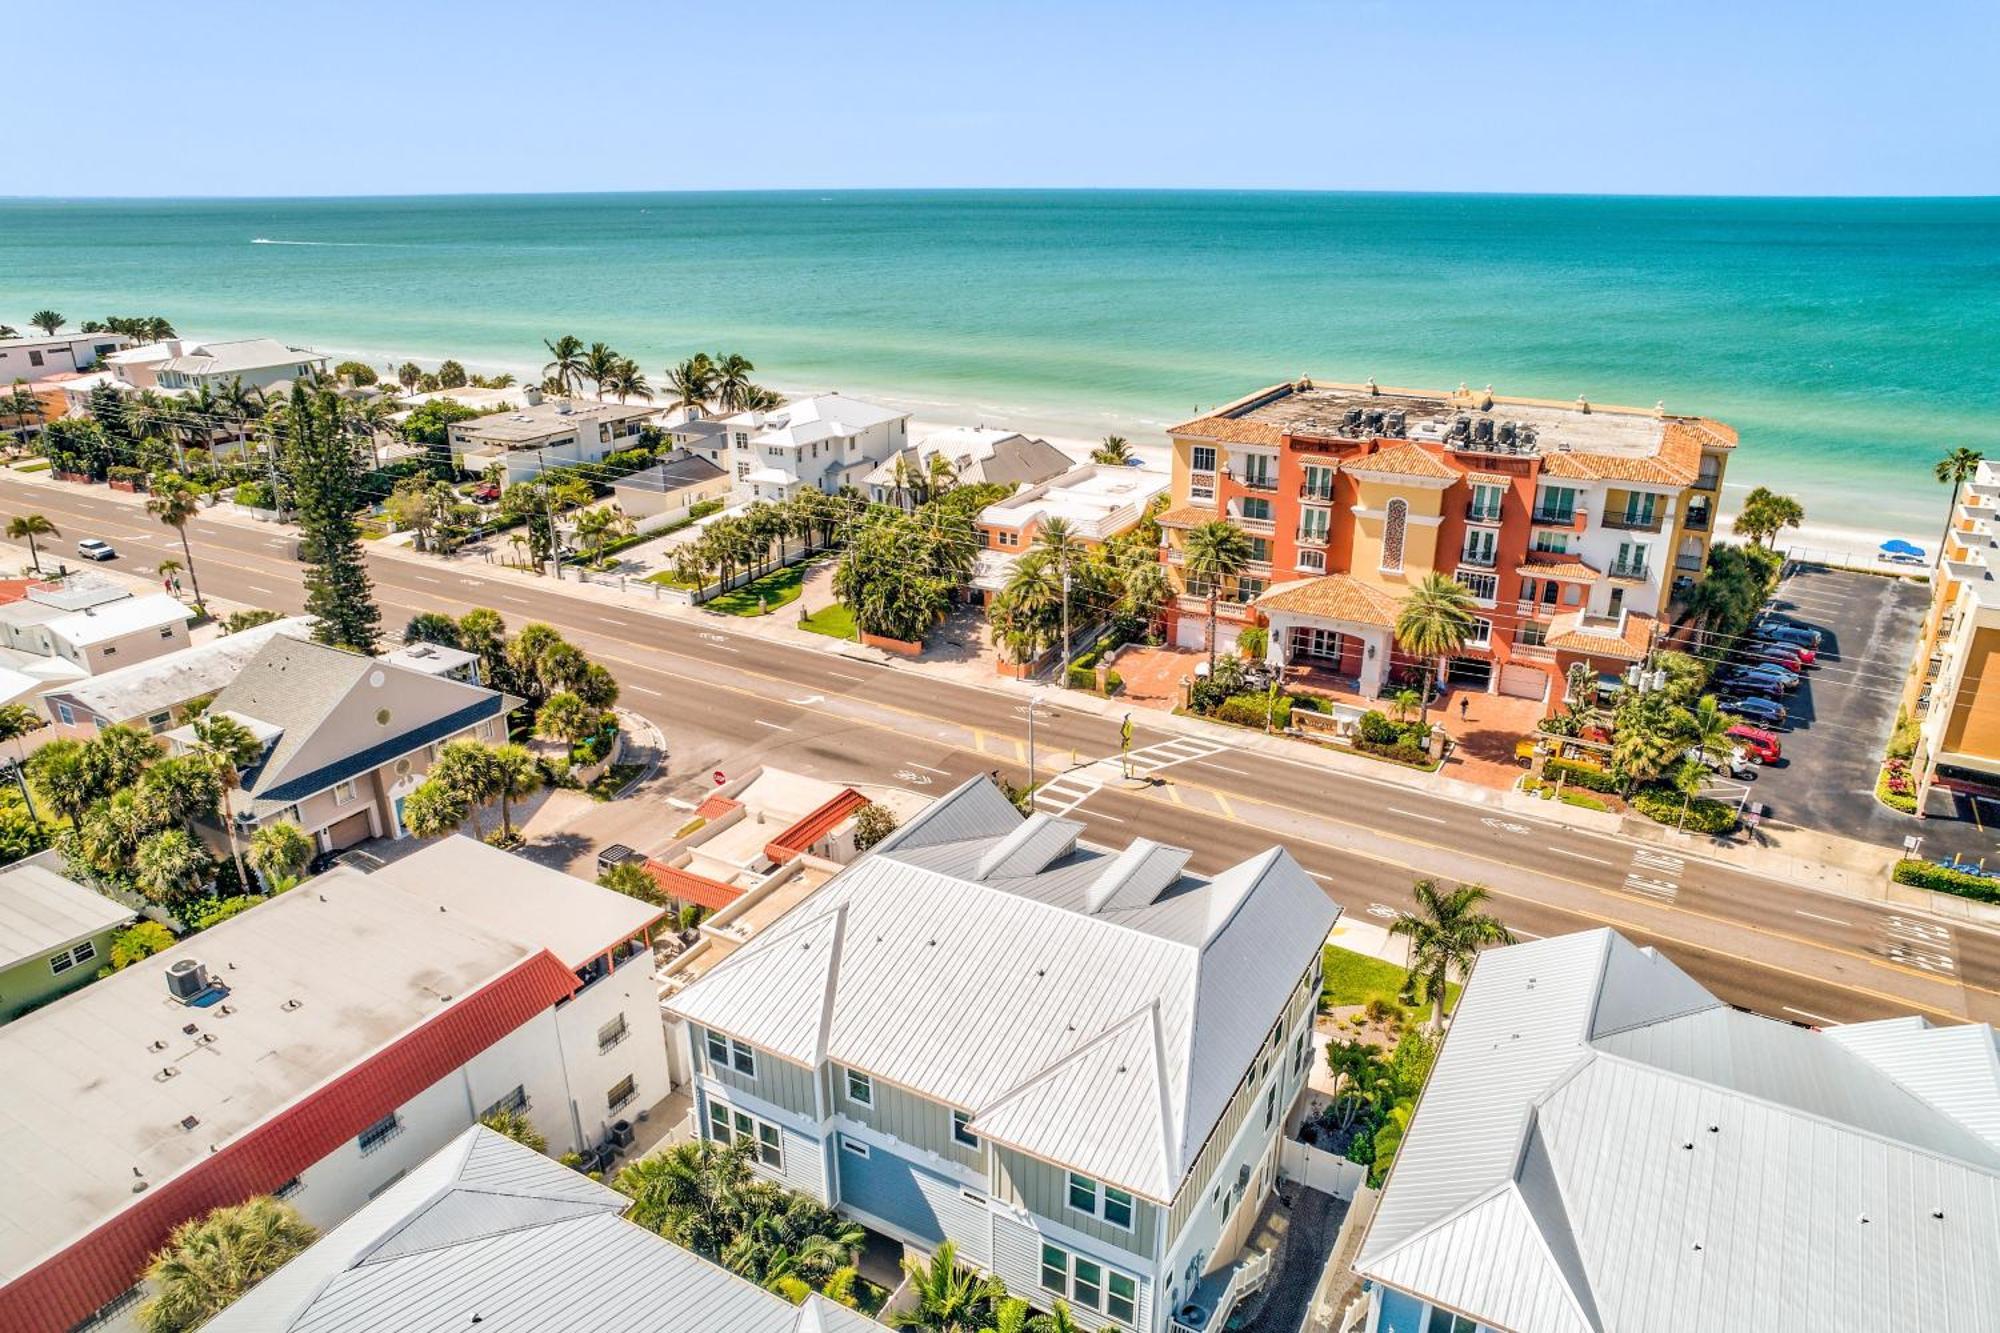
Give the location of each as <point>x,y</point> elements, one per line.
<point>728,700</point>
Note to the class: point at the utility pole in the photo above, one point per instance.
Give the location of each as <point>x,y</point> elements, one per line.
<point>1065,610</point>
<point>1034,703</point>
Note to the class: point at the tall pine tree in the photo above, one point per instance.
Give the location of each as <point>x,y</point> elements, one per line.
<point>324,473</point>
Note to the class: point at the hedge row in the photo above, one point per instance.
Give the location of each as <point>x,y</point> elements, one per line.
<point>1577,773</point>
<point>1252,710</point>
<point>1663,805</point>
<point>1943,879</point>
<point>1402,752</point>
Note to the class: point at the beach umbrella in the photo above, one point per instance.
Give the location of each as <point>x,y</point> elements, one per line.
<point>1897,546</point>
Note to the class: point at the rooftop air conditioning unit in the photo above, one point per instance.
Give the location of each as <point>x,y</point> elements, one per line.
<point>187,980</point>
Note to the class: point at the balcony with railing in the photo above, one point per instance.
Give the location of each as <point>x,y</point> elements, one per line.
<point>1634,520</point>
<point>1634,571</point>
<point>1255,481</point>
<point>1480,559</point>
<point>1688,564</point>
<point>1249,524</point>
<point>1708,481</point>
<point>1210,1304</point>
<point>1312,536</point>
<point>1554,516</point>
<point>1314,493</point>
<point>1225,607</point>
<point>1475,512</point>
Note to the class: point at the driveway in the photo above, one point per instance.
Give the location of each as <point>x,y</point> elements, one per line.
<point>1844,710</point>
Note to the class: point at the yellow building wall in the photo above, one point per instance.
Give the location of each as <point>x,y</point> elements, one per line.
<point>1184,467</point>
<point>1419,539</point>
<point>1974,728</point>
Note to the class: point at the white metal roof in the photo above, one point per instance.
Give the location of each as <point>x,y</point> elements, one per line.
<point>1604,1146</point>
<point>111,620</point>
<point>492,1235</point>
<point>369,958</point>
<point>819,417</point>
<point>1019,977</point>
<point>42,910</point>
<point>238,356</point>
<point>177,677</point>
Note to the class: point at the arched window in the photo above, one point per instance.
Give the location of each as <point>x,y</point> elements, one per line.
<point>1394,521</point>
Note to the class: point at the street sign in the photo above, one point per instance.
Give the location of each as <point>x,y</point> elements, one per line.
<point>719,778</point>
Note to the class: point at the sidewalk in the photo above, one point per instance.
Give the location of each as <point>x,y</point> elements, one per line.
<point>1807,858</point>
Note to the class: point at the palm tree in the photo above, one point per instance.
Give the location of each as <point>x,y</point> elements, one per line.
<point>1433,622</point>
<point>693,382</point>
<point>1057,1320</point>
<point>9,331</point>
<point>731,385</point>
<point>1708,727</point>
<point>598,364</point>
<point>627,381</point>
<point>173,503</point>
<point>516,776</point>
<point>227,746</point>
<point>1446,933</point>
<point>280,852</point>
<point>210,1261</point>
<point>1956,467</point>
<point>1058,541</point>
<point>48,321</point>
<point>566,362</point>
<point>1213,553</point>
<point>1765,513</point>
<point>950,1297</point>
<point>409,375</point>
<point>692,1193</point>
<point>1116,451</point>
<point>31,526</point>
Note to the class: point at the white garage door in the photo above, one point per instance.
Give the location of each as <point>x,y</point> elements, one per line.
<point>1192,632</point>
<point>1523,682</point>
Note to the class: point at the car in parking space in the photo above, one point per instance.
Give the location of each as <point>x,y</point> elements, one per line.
<point>1769,680</point>
<point>1769,632</point>
<point>1752,687</point>
<point>1791,675</point>
<point>1788,656</point>
<point>96,548</point>
<point>1734,761</point>
<point>1759,745</point>
<point>1772,620</point>
<point>1764,712</point>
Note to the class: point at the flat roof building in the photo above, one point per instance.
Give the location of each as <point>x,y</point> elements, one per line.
<point>318,1047</point>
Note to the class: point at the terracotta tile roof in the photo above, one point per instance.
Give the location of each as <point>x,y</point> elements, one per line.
<point>1229,430</point>
<point>800,837</point>
<point>715,807</point>
<point>1189,516</point>
<point>1569,634</point>
<point>1545,565</point>
<point>1403,460</point>
<point>1677,463</point>
<point>1333,597</point>
<point>684,886</point>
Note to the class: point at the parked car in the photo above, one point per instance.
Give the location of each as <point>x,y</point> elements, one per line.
<point>1747,684</point>
<point>1773,620</point>
<point>1789,656</point>
<point>1792,675</point>
<point>1792,634</point>
<point>1768,676</point>
<point>486,494</point>
<point>1732,761</point>
<point>1761,746</point>
<point>96,548</point>
<point>1764,712</point>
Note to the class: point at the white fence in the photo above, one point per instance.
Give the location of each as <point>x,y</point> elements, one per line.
<point>1320,1170</point>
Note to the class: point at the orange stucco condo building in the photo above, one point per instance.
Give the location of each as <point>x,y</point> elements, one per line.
<point>1572,524</point>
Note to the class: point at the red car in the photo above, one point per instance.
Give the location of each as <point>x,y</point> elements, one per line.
<point>1759,744</point>
<point>487,494</point>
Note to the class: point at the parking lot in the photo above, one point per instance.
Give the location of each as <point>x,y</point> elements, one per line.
<point>1844,709</point>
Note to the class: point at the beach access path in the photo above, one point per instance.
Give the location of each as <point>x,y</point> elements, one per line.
<point>1778,928</point>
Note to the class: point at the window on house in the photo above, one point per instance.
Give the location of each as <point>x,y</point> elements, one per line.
<point>770,1145</point>
<point>517,1100</point>
<point>1482,633</point>
<point>1555,504</point>
<point>1083,1194</point>
<point>1055,1269</point>
<point>860,1088</point>
<point>1255,509</point>
<point>379,1133</point>
<point>1481,546</point>
<point>1485,506</point>
<point>718,1049</point>
<point>34,358</point>
<point>1270,1106</point>
<point>159,722</point>
<point>1313,561</point>
<point>167,633</point>
<point>1117,1207</point>
<point>726,1125</point>
<point>1444,1321</point>
<point>742,1059</point>
<point>612,1033</point>
<point>1318,484</point>
<point>621,1092</point>
<point>343,792</point>
<point>1552,543</point>
<point>1201,458</point>
<point>1086,1282</point>
<point>288,1189</point>
<point>62,962</point>
<point>1260,551</point>
<point>1121,1298</point>
<point>65,715</point>
<point>959,1133</point>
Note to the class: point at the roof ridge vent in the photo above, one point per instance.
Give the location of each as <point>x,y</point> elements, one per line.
<point>1024,833</point>
<point>1136,876</point>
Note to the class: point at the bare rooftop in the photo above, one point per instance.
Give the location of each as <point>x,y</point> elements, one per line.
<point>549,418</point>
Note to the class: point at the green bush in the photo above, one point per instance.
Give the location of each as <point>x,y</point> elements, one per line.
<point>1080,677</point>
<point>1942,879</point>
<point>126,474</point>
<point>1253,641</point>
<point>221,909</point>
<point>1895,787</point>
<point>1250,710</point>
<point>1582,800</point>
<point>1401,752</point>
<point>1113,682</point>
<point>1377,729</point>
<point>253,495</point>
<point>1662,805</point>
<point>1577,773</point>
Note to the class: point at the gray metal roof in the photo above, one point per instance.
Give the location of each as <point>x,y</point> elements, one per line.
<point>489,1233</point>
<point>1603,1146</point>
<point>177,677</point>
<point>1107,1036</point>
<point>676,472</point>
<point>42,910</point>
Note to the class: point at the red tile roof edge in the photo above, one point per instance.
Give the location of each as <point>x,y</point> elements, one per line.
<point>687,887</point>
<point>795,840</point>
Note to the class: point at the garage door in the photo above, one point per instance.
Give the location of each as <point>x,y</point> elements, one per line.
<point>1523,682</point>
<point>1192,632</point>
<point>348,831</point>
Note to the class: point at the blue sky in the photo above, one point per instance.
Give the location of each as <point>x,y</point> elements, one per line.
<point>1628,96</point>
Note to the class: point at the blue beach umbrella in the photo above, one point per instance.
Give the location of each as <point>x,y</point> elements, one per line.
<point>1897,546</point>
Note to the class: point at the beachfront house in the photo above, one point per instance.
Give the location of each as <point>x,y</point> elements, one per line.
<point>822,442</point>
<point>1605,1147</point>
<point>1095,501</point>
<point>705,437</point>
<point>319,1047</point>
<point>54,933</point>
<point>970,454</point>
<point>546,433</point>
<point>257,363</point>
<point>671,487</point>
<point>1073,1063</point>
<point>40,355</point>
<point>345,738</point>
<point>1571,523</point>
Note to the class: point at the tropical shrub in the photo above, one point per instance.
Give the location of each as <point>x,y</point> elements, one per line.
<point>1253,640</point>
<point>1377,729</point>
<point>872,823</point>
<point>1251,710</point>
<point>137,942</point>
<point>1943,879</point>
<point>1402,752</point>
<point>1578,773</point>
<point>215,910</point>
<point>210,1261</point>
<point>254,495</point>
<point>1896,786</point>
<point>1662,804</point>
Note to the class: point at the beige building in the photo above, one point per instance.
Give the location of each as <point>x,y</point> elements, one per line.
<point>156,694</point>
<point>562,432</point>
<point>346,738</point>
<point>1954,684</point>
<point>671,487</point>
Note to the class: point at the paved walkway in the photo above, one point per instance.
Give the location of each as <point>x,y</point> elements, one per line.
<point>1305,1231</point>
<point>1484,729</point>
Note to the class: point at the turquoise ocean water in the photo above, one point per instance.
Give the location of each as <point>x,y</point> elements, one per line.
<point>1851,341</point>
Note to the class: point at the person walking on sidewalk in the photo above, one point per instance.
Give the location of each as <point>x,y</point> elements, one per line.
<point>1464,706</point>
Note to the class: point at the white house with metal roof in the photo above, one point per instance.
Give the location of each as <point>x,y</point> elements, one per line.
<point>825,441</point>
<point>488,1233</point>
<point>1075,1064</point>
<point>258,363</point>
<point>1605,1147</point>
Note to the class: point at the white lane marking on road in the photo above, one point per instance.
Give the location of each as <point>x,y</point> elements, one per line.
<point>510,597</point>
<point>1664,883</point>
<point>643,690</point>
<point>1221,768</point>
<point>425,578</point>
<point>1411,814</point>
<point>808,701</point>
<point>473,583</point>
<point>1808,1014</point>
<point>724,648</point>
<point>1503,825</point>
<point>927,768</point>
<point>1060,795</point>
<point>257,588</point>
<point>1099,814</point>
<point>772,725</point>
<point>859,680</point>
<point>1581,856</point>
<point>612,620</point>
<point>1830,920</point>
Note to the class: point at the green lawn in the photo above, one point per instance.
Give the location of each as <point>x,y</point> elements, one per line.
<point>773,590</point>
<point>666,578</point>
<point>1355,978</point>
<point>835,621</point>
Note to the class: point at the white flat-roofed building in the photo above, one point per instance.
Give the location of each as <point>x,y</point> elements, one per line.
<point>37,355</point>
<point>557,432</point>
<point>824,442</point>
<point>1605,1147</point>
<point>1075,1064</point>
<point>54,932</point>
<point>1096,502</point>
<point>332,1039</point>
<point>154,695</point>
<point>488,1231</point>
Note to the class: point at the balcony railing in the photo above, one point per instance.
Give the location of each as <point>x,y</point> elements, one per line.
<point>1696,520</point>
<point>1323,494</point>
<point>1476,512</point>
<point>1707,481</point>
<point>1312,536</point>
<point>1480,559</point>
<point>1630,522</point>
<point>1249,524</point>
<point>1545,517</point>
<point>1531,652</point>
<point>1263,482</point>
<point>1688,564</point>
<point>1638,573</point>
